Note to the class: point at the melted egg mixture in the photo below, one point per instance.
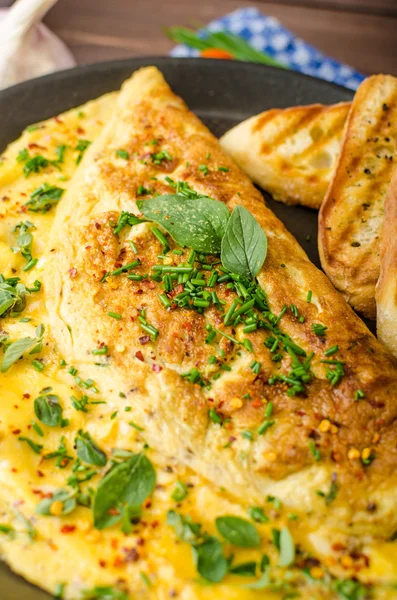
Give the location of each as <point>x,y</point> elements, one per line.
<point>61,551</point>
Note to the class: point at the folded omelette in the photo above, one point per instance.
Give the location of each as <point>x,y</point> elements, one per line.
<point>189,409</point>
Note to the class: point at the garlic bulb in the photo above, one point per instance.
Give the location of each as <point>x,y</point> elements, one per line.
<point>27,47</point>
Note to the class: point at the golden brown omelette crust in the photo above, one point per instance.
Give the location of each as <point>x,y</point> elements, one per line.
<point>351,216</point>
<point>286,277</point>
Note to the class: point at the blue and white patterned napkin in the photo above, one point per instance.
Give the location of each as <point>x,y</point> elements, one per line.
<point>268,35</point>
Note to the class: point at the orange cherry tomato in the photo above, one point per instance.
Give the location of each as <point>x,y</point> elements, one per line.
<point>216,53</point>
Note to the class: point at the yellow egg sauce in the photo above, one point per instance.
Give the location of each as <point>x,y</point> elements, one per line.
<point>64,553</point>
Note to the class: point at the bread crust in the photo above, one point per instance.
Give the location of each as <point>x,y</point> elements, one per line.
<point>351,216</point>
<point>291,153</point>
<point>386,289</point>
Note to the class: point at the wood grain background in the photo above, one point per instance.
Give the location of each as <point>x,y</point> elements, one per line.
<point>362,33</point>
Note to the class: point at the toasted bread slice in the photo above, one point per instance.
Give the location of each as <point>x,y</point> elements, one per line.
<point>291,152</point>
<point>386,289</point>
<point>351,216</point>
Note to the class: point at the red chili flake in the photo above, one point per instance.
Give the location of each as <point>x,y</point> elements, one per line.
<point>148,503</point>
<point>102,563</point>
<point>139,355</point>
<point>40,473</point>
<point>256,403</point>
<point>80,130</point>
<point>16,431</point>
<point>188,326</point>
<point>338,547</point>
<point>58,120</point>
<point>68,528</point>
<point>33,145</point>
<point>97,226</point>
<point>140,541</point>
<point>114,512</point>
<point>131,554</point>
<point>27,396</point>
<point>114,542</point>
<point>157,368</point>
<point>155,524</point>
<point>72,273</point>
<point>118,561</point>
<point>14,470</point>
<point>144,339</point>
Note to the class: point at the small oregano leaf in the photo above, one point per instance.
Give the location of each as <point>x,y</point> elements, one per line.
<point>196,223</point>
<point>88,451</point>
<point>48,410</point>
<point>287,548</point>
<point>244,245</point>
<point>128,483</point>
<point>209,559</point>
<point>238,531</point>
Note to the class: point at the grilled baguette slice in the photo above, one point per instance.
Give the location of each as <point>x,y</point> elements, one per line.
<point>351,216</point>
<point>386,289</point>
<point>159,376</point>
<point>291,152</point>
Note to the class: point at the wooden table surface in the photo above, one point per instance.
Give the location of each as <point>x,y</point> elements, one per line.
<point>362,33</point>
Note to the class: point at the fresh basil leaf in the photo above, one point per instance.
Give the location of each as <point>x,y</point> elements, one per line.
<point>197,223</point>
<point>68,501</point>
<point>15,351</point>
<point>246,569</point>
<point>129,482</point>
<point>88,451</point>
<point>244,245</point>
<point>209,559</point>
<point>287,548</point>
<point>48,410</point>
<point>260,584</point>
<point>238,531</point>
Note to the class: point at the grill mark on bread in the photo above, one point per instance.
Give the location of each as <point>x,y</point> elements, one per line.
<point>352,212</point>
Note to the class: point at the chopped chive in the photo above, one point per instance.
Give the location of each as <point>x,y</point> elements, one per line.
<point>99,351</point>
<point>319,329</point>
<point>264,426</point>
<point>122,154</point>
<point>224,169</point>
<point>359,395</point>
<point>165,300</point>
<point>315,451</point>
<point>229,337</point>
<point>160,236</point>
<point>250,328</point>
<point>213,415</point>
<point>150,329</point>
<point>134,277</point>
<point>332,350</point>
<point>125,268</point>
<point>244,308</point>
<point>248,435</point>
<point>256,367</point>
<point>247,345</point>
<point>135,426</point>
<point>38,365</point>
<point>114,315</point>
<point>230,311</point>
<point>309,296</point>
